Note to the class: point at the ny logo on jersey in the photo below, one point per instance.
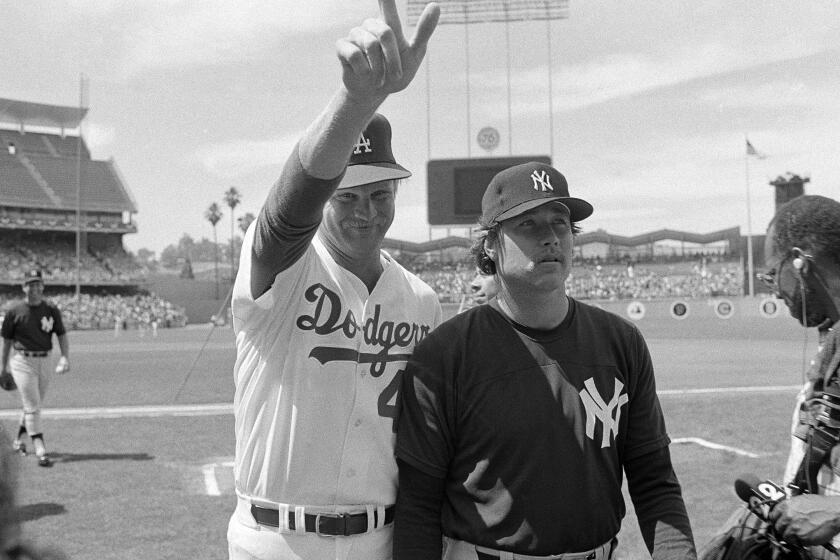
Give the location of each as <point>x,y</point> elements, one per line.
<point>47,324</point>
<point>362,143</point>
<point>609,413</point>
<point>542,181</point>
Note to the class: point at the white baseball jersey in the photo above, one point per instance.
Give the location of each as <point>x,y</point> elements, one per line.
<point>318,368</point>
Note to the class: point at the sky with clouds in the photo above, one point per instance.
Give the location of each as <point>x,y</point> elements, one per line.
<point>651,101</point>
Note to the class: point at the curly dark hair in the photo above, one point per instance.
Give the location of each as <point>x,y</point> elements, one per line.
<point>810,222</point>
<point>490,233</point>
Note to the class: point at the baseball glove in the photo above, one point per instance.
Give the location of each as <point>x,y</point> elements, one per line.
<point>7,382</point>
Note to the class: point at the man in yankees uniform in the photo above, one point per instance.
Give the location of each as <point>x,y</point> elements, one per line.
<point>27,333</point>
<point>325,321</point>
<point>520,416</point>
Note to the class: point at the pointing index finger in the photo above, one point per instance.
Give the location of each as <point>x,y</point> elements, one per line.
<point>426,25</point>
<point>388,9</point>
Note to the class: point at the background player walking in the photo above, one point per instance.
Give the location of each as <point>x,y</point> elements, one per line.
<point>27,333</point>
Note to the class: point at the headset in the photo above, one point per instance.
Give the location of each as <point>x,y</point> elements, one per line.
<point>800,260</point>
<point>800,267</point>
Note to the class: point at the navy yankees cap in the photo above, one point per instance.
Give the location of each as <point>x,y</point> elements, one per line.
<point>372,160</point>
<point>525,186</point>
<point>33,275</point>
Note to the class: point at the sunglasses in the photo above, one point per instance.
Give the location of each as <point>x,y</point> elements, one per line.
<point>778,279</point>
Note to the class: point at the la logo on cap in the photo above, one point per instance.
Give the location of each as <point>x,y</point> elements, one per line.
<point>542,181</point>
<point>362,143</point>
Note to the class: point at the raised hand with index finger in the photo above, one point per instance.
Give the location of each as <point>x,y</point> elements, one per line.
<point>376,58</point>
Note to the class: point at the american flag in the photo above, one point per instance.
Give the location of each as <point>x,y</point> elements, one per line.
<point>483,11</point>
<point>751,151</point>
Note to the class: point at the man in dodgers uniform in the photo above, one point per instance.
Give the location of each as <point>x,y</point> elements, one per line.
<point>325,322</point>
<point>519,417</point>
<point>27,333</point>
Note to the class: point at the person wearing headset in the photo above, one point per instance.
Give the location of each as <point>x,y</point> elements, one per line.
<point>483,287</point>
<point>802,251</point>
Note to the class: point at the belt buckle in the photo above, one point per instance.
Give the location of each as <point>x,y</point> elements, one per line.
<point>341,522</point>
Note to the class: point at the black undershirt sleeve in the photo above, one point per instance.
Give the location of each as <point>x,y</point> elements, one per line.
<point>287,222</point>
<point>417,530</point>
<point>657,498</point>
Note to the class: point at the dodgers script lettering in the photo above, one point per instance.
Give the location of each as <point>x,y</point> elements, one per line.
<point>329,316</point>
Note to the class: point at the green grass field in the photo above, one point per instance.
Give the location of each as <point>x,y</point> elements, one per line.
<point>140,476</point>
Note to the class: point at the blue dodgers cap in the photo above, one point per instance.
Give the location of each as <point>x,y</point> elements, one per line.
<point>33,275</point>
<point>525,186</point>
<point>372,160</point>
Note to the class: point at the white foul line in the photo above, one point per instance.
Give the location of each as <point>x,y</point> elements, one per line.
<point>709,444</point>
<point>711,390</point>
<point>124,411</point>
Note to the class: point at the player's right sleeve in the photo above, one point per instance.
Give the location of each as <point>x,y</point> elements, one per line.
<point>8,328</point>
<point>287,222</point>
<point>427,417</point>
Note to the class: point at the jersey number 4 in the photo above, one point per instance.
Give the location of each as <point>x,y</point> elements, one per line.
<point>387,403</point>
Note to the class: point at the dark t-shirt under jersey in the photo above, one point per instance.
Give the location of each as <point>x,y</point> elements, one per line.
<point>530,428</point>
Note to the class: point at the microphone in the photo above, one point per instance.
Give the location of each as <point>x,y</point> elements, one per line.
<point>761,496</point>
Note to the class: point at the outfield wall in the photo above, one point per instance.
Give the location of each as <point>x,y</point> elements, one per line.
<point>736,317</point>
<point>197,297</point>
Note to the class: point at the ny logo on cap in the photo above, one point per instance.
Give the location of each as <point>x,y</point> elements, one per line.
<point>362,143</point>
<point>542,181</point>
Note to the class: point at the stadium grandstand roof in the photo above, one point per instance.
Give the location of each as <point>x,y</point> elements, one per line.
<point>425,246</point>
<point>598,236</point>
<point>50,183</point>
<point>27,113</point>
<point>659,235</point>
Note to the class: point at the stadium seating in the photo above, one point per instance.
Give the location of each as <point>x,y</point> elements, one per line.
<point>56,256</point>
<point>43,143</point>
<point>104,311</point>
<point>616,281</point>
<point>18,184</point>
<point>98,191</point>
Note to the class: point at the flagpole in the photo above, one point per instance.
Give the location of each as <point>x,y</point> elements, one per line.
<point>467,58</point>
<point>428,63</point>
<point>79,195</point>
<point>550,88</point>
<point>750,263</point>
<point>507,58</point>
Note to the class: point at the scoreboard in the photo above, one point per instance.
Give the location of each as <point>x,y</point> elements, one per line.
<point>455,186</point>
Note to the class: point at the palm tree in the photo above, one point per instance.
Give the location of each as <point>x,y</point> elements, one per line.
<point>213,215</point>
<point>232,198</point>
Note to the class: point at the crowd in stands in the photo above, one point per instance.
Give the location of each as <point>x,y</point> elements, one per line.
<point>104,311</point>
<point>647,282</point>
<point>57,260</point>
<point>700,278</point>
<point>590,279</point>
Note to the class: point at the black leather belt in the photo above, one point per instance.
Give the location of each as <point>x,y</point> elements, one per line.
<point>331,524</point>
<point>34,353</point>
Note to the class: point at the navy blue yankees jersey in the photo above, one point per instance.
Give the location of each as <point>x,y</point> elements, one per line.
<point>32,326</point>
<point>530,428</point>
